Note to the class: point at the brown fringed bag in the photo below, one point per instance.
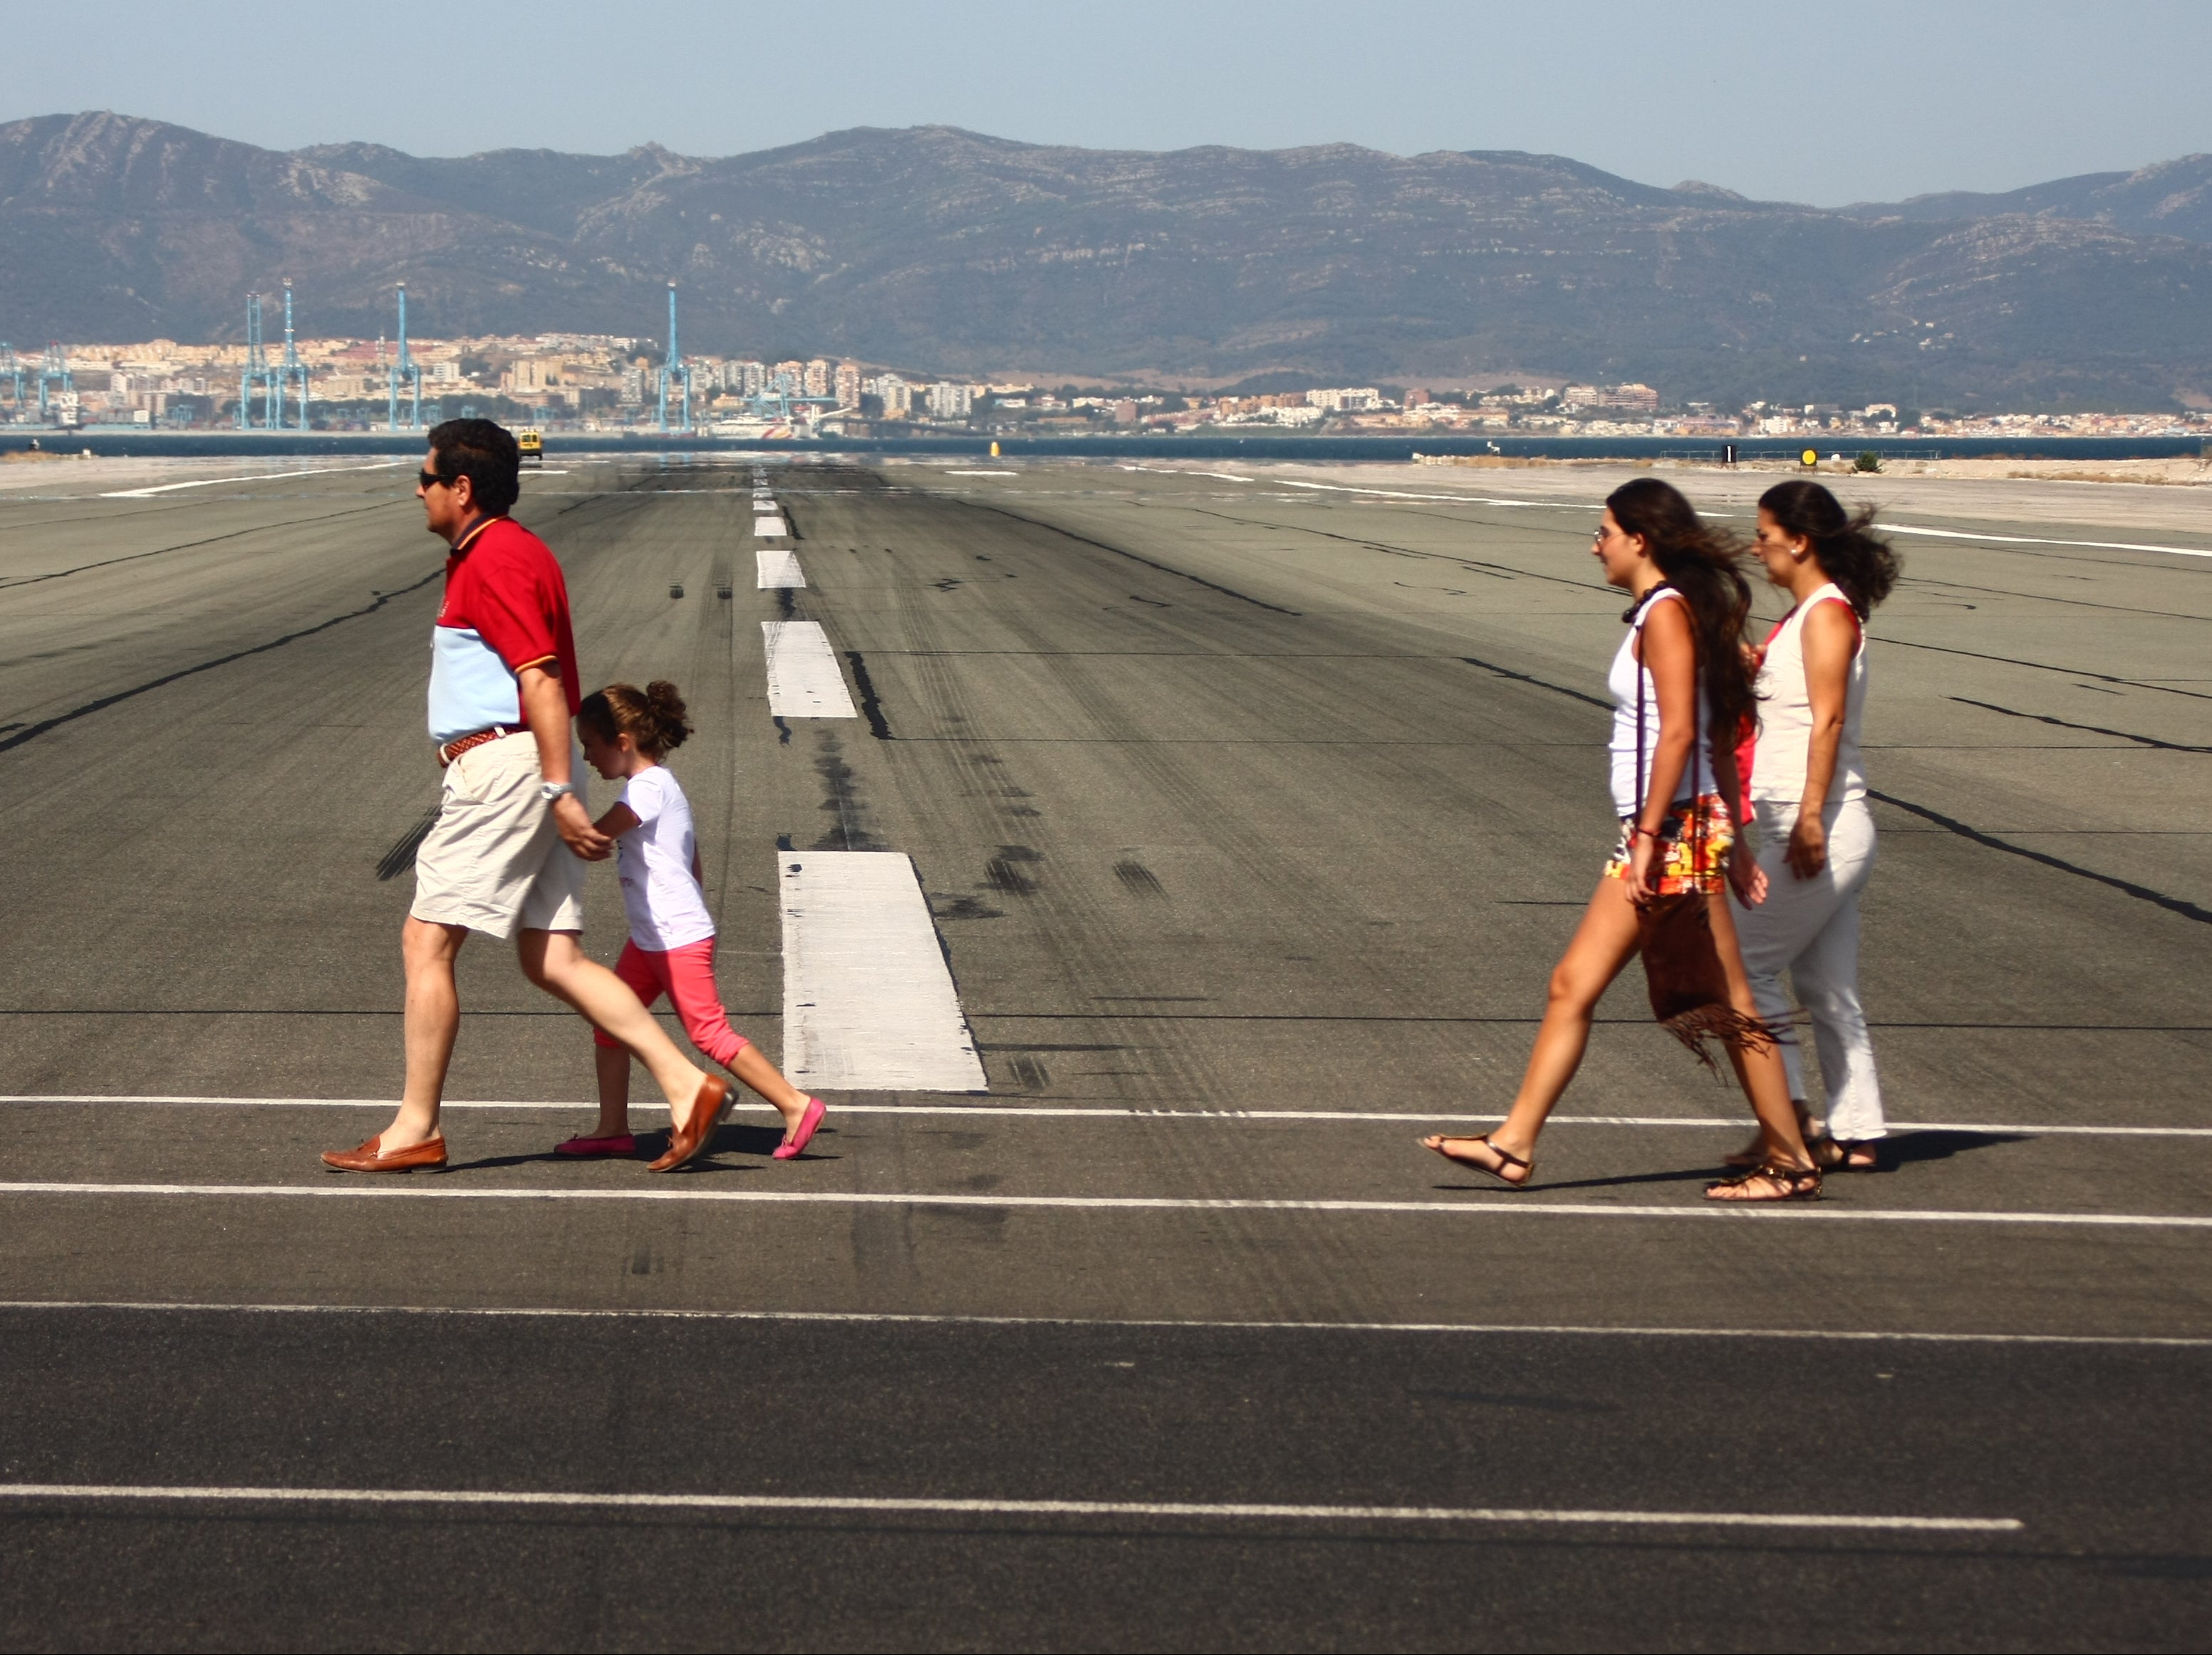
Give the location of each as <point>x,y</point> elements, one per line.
<point>1682,962</point>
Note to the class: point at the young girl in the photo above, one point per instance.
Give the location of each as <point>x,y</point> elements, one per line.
<point>1683,656</point>
<point>626,732</point>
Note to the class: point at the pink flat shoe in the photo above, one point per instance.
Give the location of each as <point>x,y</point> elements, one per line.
<point>804,1135</point>
<point>581,1147</point>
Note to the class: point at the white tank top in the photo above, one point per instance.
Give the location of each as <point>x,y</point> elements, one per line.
<point>1697,776</point>
<point>1785,714</point>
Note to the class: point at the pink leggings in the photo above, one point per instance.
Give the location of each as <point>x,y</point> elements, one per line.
<point>686,976</point>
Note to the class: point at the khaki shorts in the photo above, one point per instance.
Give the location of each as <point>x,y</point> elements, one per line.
<point>493,860</point>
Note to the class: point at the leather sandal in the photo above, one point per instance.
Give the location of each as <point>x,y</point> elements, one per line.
<point>1787,1183</point>
<point>1529,1167</point>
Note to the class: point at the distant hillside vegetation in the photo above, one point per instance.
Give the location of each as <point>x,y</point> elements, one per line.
<point>939,250</point>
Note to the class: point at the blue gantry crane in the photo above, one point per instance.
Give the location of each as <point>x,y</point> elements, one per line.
<point>53,369</point>
<point>290,371</point>
<point>255,375</point>
<point>674,369</point>
<point>404,367</point>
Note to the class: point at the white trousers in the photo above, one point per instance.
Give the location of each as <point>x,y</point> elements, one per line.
<point>1810,928</point>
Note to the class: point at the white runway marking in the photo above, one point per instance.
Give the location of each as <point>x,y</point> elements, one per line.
<point>868,1002</point>
<point>2030,540</point>
<point>1563,1329</point>
<point>1441,1118</point>
<point>1460,499</point>
<point>775,569</point>
<point>953,473</point>
<point>252,476</point>
<point>767,527</point>
<point>803,680</point>
<point>1567,505</point>
<point>1221,1512</point>
<point>1385,494</point>
<point>437,1188</point>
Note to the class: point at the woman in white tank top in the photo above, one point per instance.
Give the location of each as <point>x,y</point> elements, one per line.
<point>1677,678</point>
<point>1808,797</point>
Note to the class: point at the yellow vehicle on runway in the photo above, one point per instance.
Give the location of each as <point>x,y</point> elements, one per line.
<point>532,445</point>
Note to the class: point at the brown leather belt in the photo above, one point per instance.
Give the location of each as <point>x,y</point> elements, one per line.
<point>461,743</point>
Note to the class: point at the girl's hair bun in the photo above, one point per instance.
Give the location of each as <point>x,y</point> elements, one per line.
<point>671,721</point>
<point>654,717</point>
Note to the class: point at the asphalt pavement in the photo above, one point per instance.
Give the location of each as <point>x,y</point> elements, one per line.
<point>1252,808</point>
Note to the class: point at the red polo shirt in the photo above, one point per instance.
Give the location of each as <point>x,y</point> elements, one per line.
<point>505,608</point>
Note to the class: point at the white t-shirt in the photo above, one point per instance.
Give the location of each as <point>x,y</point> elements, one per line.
<point>666,908</point>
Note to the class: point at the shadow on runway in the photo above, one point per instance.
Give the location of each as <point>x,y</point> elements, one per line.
<point>756,1140</point>
<point>1692,1175</point>
<point>1893,1153</point>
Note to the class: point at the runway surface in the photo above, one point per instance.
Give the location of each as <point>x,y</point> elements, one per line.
<point>1250,809</point>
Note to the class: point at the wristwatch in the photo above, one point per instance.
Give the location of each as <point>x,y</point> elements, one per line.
<point>549,791</point>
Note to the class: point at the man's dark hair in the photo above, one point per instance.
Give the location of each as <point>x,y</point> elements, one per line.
<point>485,454</point>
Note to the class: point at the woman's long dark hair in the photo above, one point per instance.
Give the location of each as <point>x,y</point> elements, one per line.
<point>1865,568</point>
<point>1704,566</point>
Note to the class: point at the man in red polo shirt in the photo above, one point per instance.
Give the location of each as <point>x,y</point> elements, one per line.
<point>506,854</point>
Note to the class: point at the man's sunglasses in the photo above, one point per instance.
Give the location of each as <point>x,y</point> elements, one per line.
<point>432,480</point>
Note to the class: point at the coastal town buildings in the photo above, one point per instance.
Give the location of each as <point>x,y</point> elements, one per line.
<point>594,381</point>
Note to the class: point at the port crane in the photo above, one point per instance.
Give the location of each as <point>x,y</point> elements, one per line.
<point>12,369</point>
<point>257,376</point>
<point>674,369</point>
<point>291,370</point>
<point>404,367</point>
<point>53,369</point>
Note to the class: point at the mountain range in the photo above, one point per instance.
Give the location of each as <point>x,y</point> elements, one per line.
<point>939,251</point>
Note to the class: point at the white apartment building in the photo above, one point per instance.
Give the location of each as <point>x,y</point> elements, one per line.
<point>1344,400</point>
<point>1634,398</point>
<point>951,401</point>
<point>848,385</point>
<point>817,377</point>
<point>897,396</point>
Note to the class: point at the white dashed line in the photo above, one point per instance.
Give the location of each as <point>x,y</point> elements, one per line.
<point>868,1002</point>
<point>803,680</point>
<point>778,569</point>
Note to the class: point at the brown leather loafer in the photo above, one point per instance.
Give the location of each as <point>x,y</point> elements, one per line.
<point>431,1153</point>
<point>694,1135</point>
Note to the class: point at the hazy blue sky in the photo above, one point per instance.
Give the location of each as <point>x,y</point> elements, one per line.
<point>1872,100</point>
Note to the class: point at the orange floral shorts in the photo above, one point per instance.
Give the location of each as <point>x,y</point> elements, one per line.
<point>1692,856</point>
